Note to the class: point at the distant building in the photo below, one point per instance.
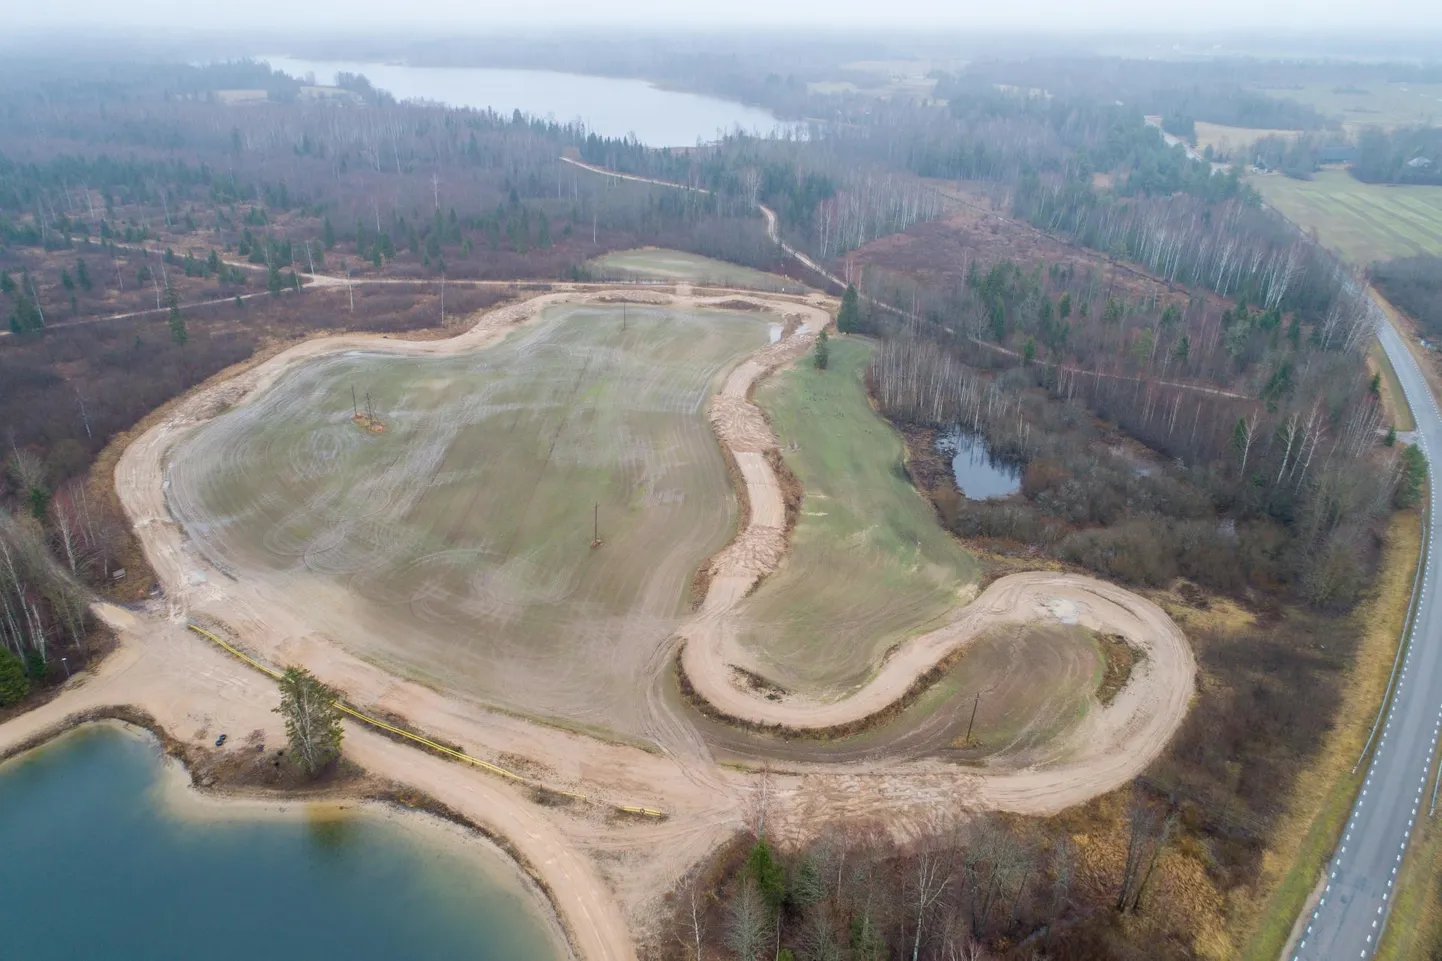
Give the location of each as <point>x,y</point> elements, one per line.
<point>1420,163</point>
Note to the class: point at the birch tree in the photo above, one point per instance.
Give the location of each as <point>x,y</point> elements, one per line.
<point>312,721</point>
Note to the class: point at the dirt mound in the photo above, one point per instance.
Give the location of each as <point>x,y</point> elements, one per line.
<point>739,424</point>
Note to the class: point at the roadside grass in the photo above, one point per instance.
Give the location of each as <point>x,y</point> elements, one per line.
<point>1305,836</point>
<point>1362,222</point>
<point>1394,402</point>
<point>869,565</point>
<point>1414,928</point>
<point>656,263</point>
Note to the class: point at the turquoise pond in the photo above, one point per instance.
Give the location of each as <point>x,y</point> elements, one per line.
<point>95,862</point>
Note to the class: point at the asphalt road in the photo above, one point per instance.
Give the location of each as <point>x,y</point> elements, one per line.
<point>1351,913</point>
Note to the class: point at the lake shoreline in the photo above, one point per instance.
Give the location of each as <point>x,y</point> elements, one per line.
<point>190,791</point>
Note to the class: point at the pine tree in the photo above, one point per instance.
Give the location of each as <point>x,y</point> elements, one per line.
<point>14,684</point>
<point>823,351</point>
<point>848,319</point>
<point>328,234</point>
<point>82,275</point>
<point>178,332</point>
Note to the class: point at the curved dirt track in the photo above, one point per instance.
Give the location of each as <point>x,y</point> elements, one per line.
<point>1135,726</point>
<point>606,876</point>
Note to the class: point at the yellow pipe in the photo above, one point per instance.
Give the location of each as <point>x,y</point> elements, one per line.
<point>441,748</point>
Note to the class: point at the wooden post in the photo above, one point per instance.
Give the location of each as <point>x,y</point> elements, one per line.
<point>354,407</point>
<point>974,704</point>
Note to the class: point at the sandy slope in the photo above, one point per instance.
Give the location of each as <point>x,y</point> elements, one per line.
<point>605,874</point>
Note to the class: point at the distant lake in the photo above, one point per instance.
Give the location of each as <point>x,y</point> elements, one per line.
<point>608,106</point>
<point>94,865</point>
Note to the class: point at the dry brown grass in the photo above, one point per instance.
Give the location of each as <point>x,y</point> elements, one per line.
<point>1119,658</point>
<point>1394,402</point>
<point>1220,137</point>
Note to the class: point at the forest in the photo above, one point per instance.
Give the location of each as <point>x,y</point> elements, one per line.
<point>1406,155</point>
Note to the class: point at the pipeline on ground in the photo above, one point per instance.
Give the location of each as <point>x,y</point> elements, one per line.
<point>424,741</point>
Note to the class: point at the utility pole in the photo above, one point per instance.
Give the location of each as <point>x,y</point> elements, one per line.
<point>84,414</point>
<point>974,704</point>
<point>596,525</point>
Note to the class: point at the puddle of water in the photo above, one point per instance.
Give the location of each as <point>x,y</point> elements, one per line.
<point>979,475</point>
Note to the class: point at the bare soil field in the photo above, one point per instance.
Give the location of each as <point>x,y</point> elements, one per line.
<point>462,530</point>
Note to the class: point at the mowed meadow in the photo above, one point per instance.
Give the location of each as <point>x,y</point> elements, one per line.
<point>1362,222</point>
<point>869,565</point>
<point>455,545</point>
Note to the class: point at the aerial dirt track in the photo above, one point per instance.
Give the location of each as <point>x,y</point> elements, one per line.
<point>1133,729</point>
<point>605,876</point>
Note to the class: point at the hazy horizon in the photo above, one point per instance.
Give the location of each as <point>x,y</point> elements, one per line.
<point>1296,17</point>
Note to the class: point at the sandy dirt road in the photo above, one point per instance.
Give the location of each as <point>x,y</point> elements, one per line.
<point>605,875</point>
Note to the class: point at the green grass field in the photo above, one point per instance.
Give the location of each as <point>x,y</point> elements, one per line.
<point>1362,222</point>
<point>654,263</point>
<point>456,545</point>
<point>869,564</point>
<point>1384,104</point>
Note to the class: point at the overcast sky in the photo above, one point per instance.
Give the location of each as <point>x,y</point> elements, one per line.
<point>473,15</point>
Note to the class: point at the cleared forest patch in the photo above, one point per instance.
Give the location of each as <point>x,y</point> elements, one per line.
<point>868,565</point>
<point>457,545</point>
<point>656,263</point>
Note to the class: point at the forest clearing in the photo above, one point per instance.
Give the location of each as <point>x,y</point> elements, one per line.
<point>651,263</point>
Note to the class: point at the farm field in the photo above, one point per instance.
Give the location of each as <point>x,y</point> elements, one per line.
<point>869,565</point>
<point>1224,139</point>
<point>456,542</point>
<point>653,263</point>
<point>1362,222</point>
<point>1384,104</point>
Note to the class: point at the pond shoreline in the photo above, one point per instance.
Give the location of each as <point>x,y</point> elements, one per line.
<point>208,794</point>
